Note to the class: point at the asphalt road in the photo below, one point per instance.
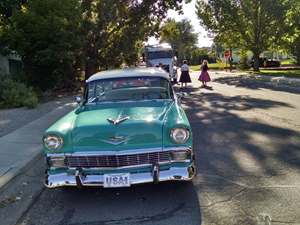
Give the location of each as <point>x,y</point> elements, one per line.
<point>248,156</point>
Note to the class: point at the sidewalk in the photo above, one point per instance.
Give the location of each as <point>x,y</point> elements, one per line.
<point>22,146</point>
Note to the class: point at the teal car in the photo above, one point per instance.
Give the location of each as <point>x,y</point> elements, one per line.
<point>128,129</point>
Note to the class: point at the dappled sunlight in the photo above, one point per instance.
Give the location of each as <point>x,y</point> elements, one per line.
<point>244,158</point>
<point>253,83</point>
<point>247,161</point>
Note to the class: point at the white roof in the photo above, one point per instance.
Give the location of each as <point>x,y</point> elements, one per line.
<point>129,72</point>
<point>159,47</point>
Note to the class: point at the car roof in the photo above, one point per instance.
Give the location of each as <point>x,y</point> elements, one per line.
<point>129,72</point>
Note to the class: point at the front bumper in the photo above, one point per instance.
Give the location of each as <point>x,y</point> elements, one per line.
<point>79,179</point>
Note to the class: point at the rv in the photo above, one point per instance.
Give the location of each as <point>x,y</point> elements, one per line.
<point>161,55</point>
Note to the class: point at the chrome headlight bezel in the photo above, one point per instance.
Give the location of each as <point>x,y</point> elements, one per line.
<point>177,131</point>
<point>53,142</point>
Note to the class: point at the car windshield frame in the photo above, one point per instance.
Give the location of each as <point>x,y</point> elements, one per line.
<point>93,99</point>
<point>160,54</point>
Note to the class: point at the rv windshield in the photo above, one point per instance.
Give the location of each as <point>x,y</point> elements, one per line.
<point>160,54</point>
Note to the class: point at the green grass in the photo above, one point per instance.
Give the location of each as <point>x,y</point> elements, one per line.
<point>288,62</point>
<point>211,66</point>
<point>279,73</point>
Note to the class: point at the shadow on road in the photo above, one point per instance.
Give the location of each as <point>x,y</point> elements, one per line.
<point>166,203</point>
<point>235,157</point>
<point>224,138</point>
<point>237,154</point>
<point>251,83</point>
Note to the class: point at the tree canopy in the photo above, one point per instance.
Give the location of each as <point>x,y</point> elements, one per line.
<point>59,39</point>
<point>181,36</point>
<point>291,39</point>
<point>46,35</point>
<point>253,25</point>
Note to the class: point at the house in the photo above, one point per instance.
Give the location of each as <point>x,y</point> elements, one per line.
<point>10,64</point>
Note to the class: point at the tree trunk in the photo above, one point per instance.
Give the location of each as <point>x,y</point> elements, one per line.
<point>90,68</point>
<point>230,60</point>
<point>296,50</point>
<point>256,60</point>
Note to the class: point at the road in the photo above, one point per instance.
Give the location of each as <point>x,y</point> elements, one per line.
<point>247,146</point>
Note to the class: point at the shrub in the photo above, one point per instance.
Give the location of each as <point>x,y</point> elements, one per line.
<point>16,94</point>
<point>243,63</point>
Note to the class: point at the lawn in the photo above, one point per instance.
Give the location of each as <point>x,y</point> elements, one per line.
<point>286,62</point>
<point>281,73</point>
<point>212,66</point>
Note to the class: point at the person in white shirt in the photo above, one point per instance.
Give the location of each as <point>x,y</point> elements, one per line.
<point>185,75</point>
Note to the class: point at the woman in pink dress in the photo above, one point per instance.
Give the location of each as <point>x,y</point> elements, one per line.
<point>204,76</point>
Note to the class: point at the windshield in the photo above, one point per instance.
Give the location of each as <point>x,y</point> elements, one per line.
<point>160,54</point>
<point>128,89</point>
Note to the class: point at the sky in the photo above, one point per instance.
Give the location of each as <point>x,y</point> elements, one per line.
<point>189,13</point>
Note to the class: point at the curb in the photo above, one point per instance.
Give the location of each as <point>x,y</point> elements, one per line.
<point>14,172</point>
<point>22,147</point>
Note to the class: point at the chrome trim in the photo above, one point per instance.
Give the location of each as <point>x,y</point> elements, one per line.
<point>95,153</point>
<point>123,152</point>
<point>118,120</point>
<point>116,140</point>
<point>129,101</point>
<point>188,134</point>
<point>173,174</point>
<point>123,167</point>
<point>61,140</point>
<point>180,148</point>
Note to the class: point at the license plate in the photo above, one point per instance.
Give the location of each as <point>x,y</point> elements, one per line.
<point>116,180</point>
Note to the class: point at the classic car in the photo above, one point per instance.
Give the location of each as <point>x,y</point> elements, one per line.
<point>128,129</point>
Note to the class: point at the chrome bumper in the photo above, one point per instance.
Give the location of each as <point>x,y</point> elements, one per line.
<point>174,173</point>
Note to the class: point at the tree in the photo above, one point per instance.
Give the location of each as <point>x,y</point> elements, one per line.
<point>8,6</point>
<point>56,39</point>
<point>181,36</point>
<point>46,35</point>
<point>291,41</point>
<point>115,28</point>
<point>252,24</point>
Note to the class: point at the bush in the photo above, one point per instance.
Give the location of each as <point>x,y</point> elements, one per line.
<point>243,63</point>
<point>16,94</point>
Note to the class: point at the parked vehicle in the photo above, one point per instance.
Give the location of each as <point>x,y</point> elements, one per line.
<point>129,129</point>
<point>265,62</point>
<point>161,55</point>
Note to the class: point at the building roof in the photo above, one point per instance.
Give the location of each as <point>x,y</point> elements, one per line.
<point>129,72</point>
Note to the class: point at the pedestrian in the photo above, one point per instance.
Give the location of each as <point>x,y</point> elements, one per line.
<point>204,76</point>
<point>185,74</point>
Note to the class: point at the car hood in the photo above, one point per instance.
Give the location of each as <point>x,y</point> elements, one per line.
<point>140,125</point>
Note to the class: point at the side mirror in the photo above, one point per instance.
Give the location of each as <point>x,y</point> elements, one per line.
<point>78,99</point>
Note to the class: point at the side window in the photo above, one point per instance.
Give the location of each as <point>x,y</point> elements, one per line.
<point>91,90</point>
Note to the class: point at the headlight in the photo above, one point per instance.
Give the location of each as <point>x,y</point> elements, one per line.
<point>53,142</point>
<point>180,135</point>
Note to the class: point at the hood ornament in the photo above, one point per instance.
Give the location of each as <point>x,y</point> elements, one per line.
<point>117,121</point>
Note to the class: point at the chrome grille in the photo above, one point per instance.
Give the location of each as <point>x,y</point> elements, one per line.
<point>117,160</point>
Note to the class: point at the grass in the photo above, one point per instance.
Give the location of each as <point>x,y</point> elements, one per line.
<point>281,73</point>
<point>211,66</point>
<point>288,62</point>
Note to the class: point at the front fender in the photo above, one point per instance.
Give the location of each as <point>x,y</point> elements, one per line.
<point>175,117</point>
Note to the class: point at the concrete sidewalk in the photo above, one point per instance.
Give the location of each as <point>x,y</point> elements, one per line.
<point>21,147</point>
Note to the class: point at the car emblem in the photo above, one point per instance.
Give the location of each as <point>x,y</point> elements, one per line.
<point>117,140</point>
<point>117,121</point>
